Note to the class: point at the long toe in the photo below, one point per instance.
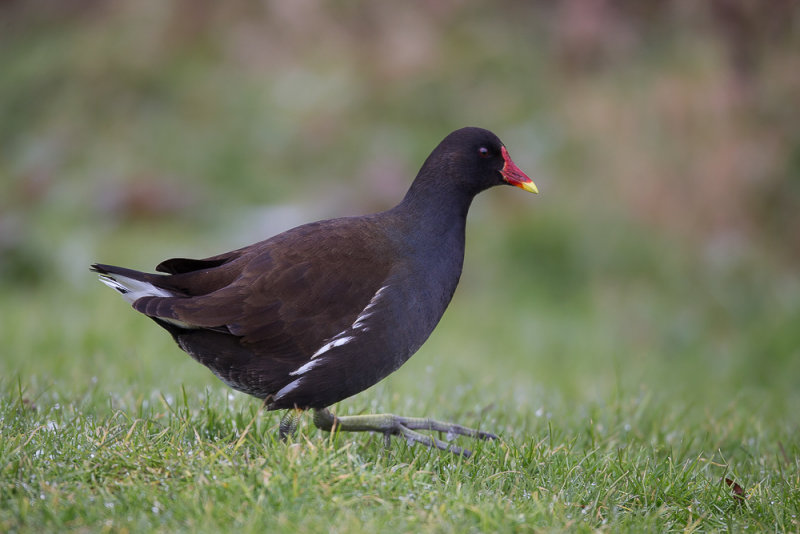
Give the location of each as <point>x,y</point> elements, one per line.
<point>451,429</point>
<point>404,427</point>
<point>415,437</point>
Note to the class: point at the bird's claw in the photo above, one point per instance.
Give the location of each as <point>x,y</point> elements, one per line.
<point>406,427</point>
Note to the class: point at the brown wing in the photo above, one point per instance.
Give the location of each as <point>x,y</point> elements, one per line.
<point>284,296</point>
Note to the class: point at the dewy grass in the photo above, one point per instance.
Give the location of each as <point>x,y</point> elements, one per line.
<point>211,461</point>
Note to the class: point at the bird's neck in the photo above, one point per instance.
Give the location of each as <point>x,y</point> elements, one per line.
<point>436,202</point>
<point>434,219</point>
<point>429,225</point>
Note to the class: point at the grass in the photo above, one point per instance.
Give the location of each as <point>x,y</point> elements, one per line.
<point>210,461</point>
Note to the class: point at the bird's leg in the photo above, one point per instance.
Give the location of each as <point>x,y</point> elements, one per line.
<point>389,424</point>
<point>288,424</point>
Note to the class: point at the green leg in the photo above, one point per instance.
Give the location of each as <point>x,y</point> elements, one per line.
<point>288,424</point>
<point>389,424</point>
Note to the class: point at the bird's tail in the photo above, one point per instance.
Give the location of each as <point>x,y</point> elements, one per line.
<point>132,285</point>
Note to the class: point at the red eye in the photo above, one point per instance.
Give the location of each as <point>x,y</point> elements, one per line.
<point>483,152</point>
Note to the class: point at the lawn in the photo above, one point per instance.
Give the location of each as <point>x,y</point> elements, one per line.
<point>631,334</point>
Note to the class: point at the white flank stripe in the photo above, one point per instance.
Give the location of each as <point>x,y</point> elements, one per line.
<point>341,338</point>
<point>360,321</point>
<point>366,313</point>
<point>335,343</point>
<point>303,369</point>
<point>288,388</point>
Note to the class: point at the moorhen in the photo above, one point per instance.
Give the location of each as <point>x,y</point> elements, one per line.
<point>323,311</point>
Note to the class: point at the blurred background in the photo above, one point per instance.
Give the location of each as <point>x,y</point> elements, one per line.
<point>661,257</point>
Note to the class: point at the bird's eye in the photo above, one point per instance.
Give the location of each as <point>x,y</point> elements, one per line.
<point>484,152</point>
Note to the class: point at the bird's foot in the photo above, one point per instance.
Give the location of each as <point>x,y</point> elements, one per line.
<point>288,424</point>
<point>406,427</point>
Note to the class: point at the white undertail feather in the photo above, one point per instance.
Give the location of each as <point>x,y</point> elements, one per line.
<point>132,290</point>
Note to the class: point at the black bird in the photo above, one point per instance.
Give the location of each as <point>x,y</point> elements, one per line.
<point>323,311</point>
